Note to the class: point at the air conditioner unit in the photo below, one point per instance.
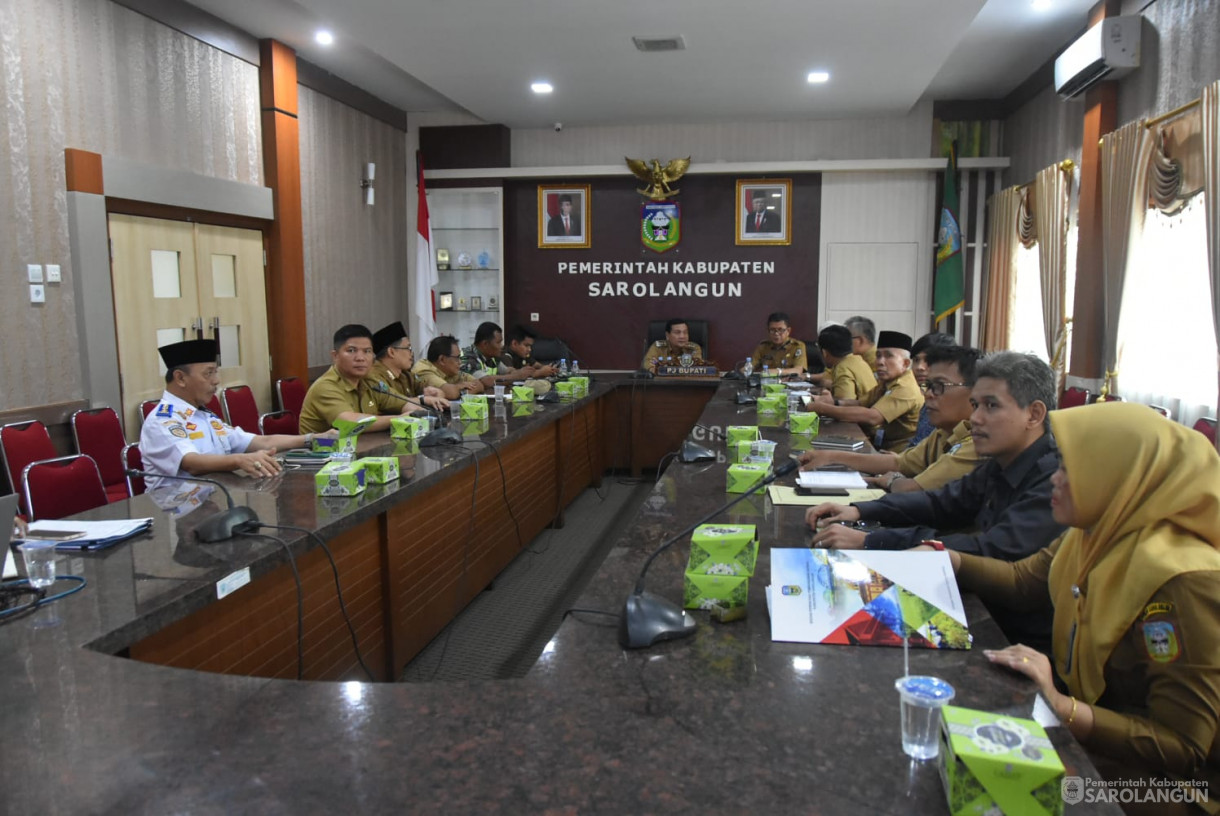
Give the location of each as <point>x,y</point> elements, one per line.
<point>1108,50</point>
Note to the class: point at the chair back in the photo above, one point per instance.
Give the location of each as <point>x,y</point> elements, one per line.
<point>1207,427</point>
<point>698,334</point>
<point>99,434</point>
<point>1073,397</point>
<point>240,409</point>
<point>291,392</point>
<point>63,486</point>
<point>279,422</point>
<point>214,406</point>
<point>133,459</point>
<point>20,444</point>
<point>1160,409</point>
<point>551,350</point>
<point>147,407</point>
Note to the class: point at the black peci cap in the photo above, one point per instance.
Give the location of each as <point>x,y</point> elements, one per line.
<point>387,336</point>
<point>188,352</point>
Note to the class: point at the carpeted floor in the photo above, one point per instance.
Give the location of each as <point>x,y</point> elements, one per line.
<point>503,630</point>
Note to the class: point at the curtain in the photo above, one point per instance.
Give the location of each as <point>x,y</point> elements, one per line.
<point>1002,243</point>
<point>1051,190</point>
<point>1125,157</point>
<point>1211,198</point>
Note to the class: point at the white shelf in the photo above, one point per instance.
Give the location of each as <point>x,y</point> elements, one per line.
<point>469,220</point>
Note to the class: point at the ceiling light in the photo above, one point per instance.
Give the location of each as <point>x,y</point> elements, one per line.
<point>818,76</point>
<point>324,37</point>
<point>541,87</point>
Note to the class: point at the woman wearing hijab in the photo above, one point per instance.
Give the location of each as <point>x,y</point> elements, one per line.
<point>1135,585</point>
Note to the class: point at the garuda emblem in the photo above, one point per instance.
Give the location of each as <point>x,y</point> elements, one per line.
<point>658,178</point>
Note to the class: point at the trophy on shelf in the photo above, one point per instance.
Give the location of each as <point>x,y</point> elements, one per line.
<point>464,261</point>
<point>444,301</point>
<point>493,305</point>
<point>442,259</point>
<point>462,307</point>
<point>484,259</point>
<point>476,304</point>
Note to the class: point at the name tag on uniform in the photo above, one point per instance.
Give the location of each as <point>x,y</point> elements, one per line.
<point>196,435</point>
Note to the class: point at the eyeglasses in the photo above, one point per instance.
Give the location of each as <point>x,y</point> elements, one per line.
<point>771,330</point>
<point>937,387</point>
<point>407,347</point>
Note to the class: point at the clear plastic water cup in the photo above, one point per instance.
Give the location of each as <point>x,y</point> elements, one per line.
<point>499,393</point>
<point>921,699</point>
<point>763,451</point>
<point>431,420</point>
<point>39,562</point>
<point>455,409</point>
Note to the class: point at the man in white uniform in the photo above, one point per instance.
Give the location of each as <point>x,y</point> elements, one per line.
<point>180,438</point>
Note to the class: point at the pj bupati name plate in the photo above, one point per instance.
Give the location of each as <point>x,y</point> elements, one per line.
<point>687,371</point>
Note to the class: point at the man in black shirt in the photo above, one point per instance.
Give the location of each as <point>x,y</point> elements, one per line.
<point>1001,510</point>
<point>519,353</point>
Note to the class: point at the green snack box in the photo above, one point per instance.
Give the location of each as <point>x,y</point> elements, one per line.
<point>406,447</point>
<point>724,596</point>
<point>403,427</point>
<point>523,409</point>
<point>741,478</point>
<point>757,452</point>
<point>803,422</point>
<point>772,420</point>
<point>723,549</point>
<point>800,442</point>
<point>523,393</point>
<point>992,763</point>
<point>772,389</point>
<point>741,433</point>
<point>566,389</point>
<point>580,386</point>
<point>340,479</point>
<point>379,469</point>
<point>772,405</point>
<point>474,407</point>
<point>348,432</point>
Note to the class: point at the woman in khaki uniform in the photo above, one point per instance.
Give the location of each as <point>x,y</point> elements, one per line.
<point>1135,585</point>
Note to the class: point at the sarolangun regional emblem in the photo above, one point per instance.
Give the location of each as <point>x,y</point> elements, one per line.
<point>661,225</point>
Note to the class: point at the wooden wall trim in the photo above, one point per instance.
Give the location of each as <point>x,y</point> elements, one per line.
<point>55,413</point>
<point>286,314</point>
<point>83,171</point>
<point>324,82</point>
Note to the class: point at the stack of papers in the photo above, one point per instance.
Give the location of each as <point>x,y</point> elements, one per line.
<point>840,442</point>
<point>832,479</point>
<point>95,535</point>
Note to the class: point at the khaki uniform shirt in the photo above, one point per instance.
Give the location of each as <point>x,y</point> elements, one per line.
<point>899,403</point>
<point>870,357</point>
<point>331,395</point>
<point>789,354</point>
<point>941,458</point>
<point>427,373</point>
<point>852,379</point>
<point>662,349</point>
<point>403,383</point>
<point>1158,712</point>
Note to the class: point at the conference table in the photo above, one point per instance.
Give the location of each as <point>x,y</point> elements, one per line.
<point>147,693</point>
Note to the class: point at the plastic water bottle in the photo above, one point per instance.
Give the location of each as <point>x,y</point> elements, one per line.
<point>747,368</point>
<point>563,366</point>
<point>576,368</point>
<point>766,373</point>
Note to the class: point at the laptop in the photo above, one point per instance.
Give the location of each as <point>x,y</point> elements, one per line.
<point>8,512</point>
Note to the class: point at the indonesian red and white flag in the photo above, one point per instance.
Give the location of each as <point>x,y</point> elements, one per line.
<point>423,300</point>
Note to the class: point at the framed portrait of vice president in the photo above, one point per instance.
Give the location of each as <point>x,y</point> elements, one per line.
<point>563,217</point>
<point>764,212</point>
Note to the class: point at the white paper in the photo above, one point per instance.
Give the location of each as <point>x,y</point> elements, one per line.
<point>93,530</point>
<point>833,479</point>
<point>787,495</point>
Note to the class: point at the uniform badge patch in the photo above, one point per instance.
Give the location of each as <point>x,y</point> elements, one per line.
<point>1161,641</point>
<point>178,431</point>
<point>1157,608</point>
<point>190,426</point>
<point>165,410</point>
<point>195,435</point>
<point>955,448</point>
<point>216,425</point>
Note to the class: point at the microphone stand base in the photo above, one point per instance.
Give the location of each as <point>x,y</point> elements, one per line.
<point>227,523</point>
<point>649,618</point>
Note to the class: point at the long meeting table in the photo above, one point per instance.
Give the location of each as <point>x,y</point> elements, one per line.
<point>146,693</point>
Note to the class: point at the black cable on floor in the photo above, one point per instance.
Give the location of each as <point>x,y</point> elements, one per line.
<point>296,577</point>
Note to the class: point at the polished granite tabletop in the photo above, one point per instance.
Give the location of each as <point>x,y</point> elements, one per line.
<point>724,721</point>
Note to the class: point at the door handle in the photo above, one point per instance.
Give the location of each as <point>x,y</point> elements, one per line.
<point>197,327</point>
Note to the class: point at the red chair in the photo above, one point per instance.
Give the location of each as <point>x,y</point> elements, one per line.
<point>1207,427</point>
<point>1160,409</point>
<point>240,409</point>
<point>20,444</point>
<point>99,435</point>
<point>279,422</point>
<point>291,392</point>
<point>133,459</point>
<point>63,486</point>
<point>1073,397</point>
<point>214,406</point>
<point>147,407</point>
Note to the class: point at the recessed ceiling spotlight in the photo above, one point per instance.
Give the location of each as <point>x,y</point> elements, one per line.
<point>1042,5</point>
<point>818,77</point>
<point>541,87</point>
<point>324,37</point>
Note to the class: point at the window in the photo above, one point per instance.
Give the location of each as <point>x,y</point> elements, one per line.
<point>1026,331</point>
<point>1166,336</point>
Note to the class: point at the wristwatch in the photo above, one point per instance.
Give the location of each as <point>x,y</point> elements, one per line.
<point>890,484</point>
<point>309,440</point>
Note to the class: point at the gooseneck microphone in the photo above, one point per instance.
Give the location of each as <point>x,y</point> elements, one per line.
<point>223,525</point>
<point>648,618</point>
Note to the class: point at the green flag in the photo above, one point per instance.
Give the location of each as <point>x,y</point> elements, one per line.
<point>949,285</point>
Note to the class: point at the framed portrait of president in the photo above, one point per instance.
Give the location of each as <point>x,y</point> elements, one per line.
<point>764,212</point>
<point>563,217</point>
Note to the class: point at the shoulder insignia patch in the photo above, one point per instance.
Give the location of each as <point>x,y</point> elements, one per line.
<point>1157,608</point>
<point>798,351</point>
<point>178,431</point>
<point>190,426</point>
<point>165,410</point>
<point>217,425</point>
<point>189,412</point>
<point>1161,641</point>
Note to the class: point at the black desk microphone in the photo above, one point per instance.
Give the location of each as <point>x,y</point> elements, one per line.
<point>222,526</point>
